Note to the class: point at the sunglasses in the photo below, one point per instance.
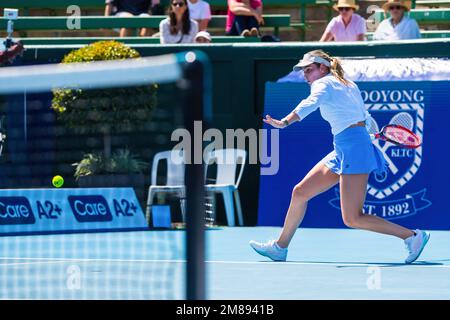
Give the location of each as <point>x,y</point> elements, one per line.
<point>395,7</point>
<point>344,9</point>
<point>178,4</point>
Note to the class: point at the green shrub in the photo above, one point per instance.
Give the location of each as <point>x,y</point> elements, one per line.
<point>121,161</point>
<point>104,111</point>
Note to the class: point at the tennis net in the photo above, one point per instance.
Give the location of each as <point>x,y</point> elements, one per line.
<point>78,143</point>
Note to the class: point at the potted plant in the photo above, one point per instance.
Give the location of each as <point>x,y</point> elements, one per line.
<point>123,169</point>
<point>106,112</point>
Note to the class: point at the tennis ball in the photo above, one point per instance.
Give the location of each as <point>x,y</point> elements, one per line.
<point>58,181</point>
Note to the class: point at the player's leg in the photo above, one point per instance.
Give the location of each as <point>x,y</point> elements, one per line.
<point>353,193</point>
<point>353,189</point>
<point>319,179</point>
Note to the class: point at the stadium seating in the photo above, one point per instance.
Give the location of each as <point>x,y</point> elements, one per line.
<point>301,25</point>
<point>126,40</point>
<point>430,3</point>
<point>425,34</point>
<point>99,22</point>
<point>276,21</point>
<point>50,4</point>
<point>226,182</point>
<point>423,16</point>
<point>174,183</point>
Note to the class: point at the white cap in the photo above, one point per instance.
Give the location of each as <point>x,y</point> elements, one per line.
<point>203,34</point>
<point>309,59</point>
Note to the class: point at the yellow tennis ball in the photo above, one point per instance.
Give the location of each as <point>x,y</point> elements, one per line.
<point>58,181</point>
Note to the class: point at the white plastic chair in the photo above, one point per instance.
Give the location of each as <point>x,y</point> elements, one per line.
<point>226,183</point>
<point>175,179</point>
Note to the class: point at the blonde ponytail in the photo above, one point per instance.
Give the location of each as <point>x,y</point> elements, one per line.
<point>336,68</point>
<point>337,71</point>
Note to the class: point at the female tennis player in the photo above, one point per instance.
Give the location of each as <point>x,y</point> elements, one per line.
<point>354,157</point>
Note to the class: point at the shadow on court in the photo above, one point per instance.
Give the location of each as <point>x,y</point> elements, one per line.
<point>389,265</point>
<point>353,264</point>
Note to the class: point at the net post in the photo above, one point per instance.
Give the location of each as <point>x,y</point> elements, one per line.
<point>192,86</point>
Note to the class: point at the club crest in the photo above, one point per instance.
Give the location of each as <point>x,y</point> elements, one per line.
<point>402,163</point>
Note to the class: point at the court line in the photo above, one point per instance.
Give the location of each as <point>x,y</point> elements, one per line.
<point>267,263</point>
<point>30,263</point>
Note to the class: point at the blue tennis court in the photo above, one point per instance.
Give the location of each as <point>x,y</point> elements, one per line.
<point>322,264</point>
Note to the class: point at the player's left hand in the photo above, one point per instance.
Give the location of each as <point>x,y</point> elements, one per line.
<point>274,122</point>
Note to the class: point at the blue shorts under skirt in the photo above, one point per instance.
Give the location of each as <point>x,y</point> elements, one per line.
<point>354,153</point>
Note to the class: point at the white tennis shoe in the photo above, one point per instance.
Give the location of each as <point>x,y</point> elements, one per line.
<point>415,245</point>
<point>270,250</point>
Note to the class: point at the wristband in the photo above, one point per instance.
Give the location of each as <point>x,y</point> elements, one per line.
<point>286,123</point>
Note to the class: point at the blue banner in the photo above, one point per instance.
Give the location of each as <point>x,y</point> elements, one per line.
<point>40,211</point>
<point>414,192</point>
<point>393,209</point>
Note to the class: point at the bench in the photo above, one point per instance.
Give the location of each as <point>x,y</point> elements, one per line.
<point>99,22</point>
<point>425,34</point>
<point>126,40</point>
<point>100,4</point>
<point>215,4</point>
<point>51,4</point>
<point>430,3</point>
<point>422,16</point>
<point>275,21</point>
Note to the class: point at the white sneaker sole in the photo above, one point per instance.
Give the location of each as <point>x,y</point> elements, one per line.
<point>265,254</point>
<point>427,237</point>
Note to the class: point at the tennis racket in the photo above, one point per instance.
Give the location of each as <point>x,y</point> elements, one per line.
<point>373,129</point>
<point>402,119</point>
<point>398,135</point>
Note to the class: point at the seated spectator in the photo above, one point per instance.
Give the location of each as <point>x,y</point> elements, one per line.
<point>130,8</point>
<point>347,26</point>
<point>178,27</point>
<point>9,54</point>
<point>200,11</point>
<point>244,18</point>
<point>203,37</point>
<point>398,26</point>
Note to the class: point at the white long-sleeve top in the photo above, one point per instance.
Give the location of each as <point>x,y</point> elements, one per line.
<point>340,105</point>
<point>167,37</point>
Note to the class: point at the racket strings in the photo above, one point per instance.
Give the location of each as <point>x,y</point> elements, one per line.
<point>372,126</point>
<point>403,119</point>
<point>401,136</point>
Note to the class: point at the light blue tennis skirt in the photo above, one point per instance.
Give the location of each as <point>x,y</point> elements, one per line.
<point>354,153</point>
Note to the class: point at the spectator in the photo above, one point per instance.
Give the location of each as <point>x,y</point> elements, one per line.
<point>130,8</point>
<point>10,54</point>
<point>203,37</point>
<point>200,11</point>
<point>347,26</point>
<point>244,17</point>
<point>178,27</point>
<point>398,26</point>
